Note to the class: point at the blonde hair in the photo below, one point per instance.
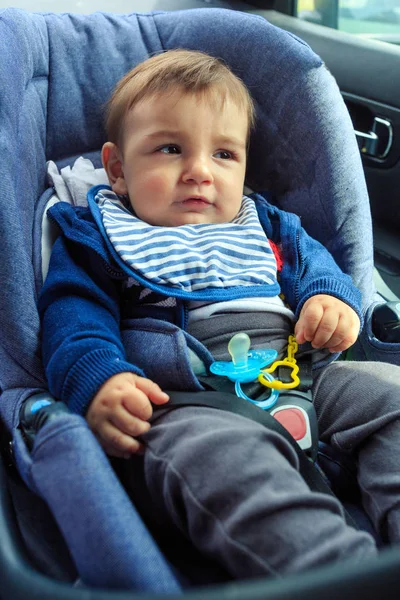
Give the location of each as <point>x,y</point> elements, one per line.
<point>191,71</point>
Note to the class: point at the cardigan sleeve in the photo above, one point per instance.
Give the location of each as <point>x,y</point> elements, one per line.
<point>309,269</point>
<point>79,311</point>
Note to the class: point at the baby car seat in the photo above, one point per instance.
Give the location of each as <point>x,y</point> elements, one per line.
<point>56,73</point>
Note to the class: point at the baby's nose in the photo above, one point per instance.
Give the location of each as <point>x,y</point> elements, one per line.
<point>198,170</point>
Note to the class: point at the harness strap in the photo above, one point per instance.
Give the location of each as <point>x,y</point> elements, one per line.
<point>223,401</point>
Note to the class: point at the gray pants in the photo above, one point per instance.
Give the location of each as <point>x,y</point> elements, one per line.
<point>233,488</point>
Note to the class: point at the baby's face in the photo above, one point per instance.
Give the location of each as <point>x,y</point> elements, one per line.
<point>184,160</point>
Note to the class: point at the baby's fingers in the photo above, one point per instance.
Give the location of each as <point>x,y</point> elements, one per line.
<point>344,336</point>
<point>128,423</point>
<point>116,443</point>
<point>152,390</point>
<point>308,323</point>
<point>327,329</point>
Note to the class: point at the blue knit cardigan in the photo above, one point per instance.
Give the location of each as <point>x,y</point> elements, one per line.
<point>79,304</point>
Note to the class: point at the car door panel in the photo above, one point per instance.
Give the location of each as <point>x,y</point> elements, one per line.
<point>365,72</point>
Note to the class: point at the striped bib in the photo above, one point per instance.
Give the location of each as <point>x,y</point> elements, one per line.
<point>191,258</point>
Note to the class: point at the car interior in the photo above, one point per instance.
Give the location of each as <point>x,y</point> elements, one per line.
<point>363,68</point>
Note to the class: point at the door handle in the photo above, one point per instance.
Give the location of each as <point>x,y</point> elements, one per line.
<point>378,141</point>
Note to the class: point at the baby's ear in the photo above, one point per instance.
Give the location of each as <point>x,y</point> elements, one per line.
<point>112,162</point>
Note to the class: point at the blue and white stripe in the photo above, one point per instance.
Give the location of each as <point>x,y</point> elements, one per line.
<point>191,257</point>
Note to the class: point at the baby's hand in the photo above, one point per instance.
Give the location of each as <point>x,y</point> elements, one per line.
<point>327,322</point>
<point>120,410</point>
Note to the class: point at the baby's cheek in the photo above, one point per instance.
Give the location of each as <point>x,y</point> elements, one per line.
<point>150,195</point>
<point>156,184</point>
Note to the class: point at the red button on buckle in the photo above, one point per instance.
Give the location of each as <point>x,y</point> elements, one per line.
<point>293,420</point>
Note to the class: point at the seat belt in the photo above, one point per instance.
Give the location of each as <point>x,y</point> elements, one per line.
<point>38,409</point>
<point>222,400</point>
<point>294,408</point>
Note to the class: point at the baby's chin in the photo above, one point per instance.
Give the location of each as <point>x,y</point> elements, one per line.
<point>184,218</point>
<point>191,220</point>
<point>194,218</point>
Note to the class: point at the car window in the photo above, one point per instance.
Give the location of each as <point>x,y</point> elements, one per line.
<point>376,19</point>
<point>78,6</point>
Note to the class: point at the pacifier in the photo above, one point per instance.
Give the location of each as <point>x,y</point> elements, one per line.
<point>246,364</point>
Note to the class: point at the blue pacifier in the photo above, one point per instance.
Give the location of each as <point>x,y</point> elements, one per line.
<point>245,365</point>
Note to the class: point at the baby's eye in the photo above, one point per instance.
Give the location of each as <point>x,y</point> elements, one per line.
<point>170,149</point>
<point>224,154</point>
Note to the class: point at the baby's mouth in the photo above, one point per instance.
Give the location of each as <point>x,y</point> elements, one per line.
<point>196,200</point>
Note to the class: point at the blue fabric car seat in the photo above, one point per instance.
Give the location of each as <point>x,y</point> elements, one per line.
<point>56,73</point>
